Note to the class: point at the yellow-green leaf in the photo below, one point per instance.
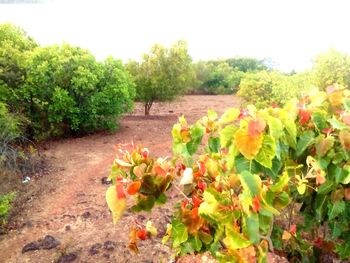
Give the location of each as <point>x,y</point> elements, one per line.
<point>248,146</point>
<point>115,204</point>
<point>267,152</point>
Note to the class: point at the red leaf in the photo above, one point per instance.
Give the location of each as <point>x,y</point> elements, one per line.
<point>346,119</point>
<point>184,204</point>
<point>256,204</point>
<point>318,242</point>
<point>201,166</point>
<point>196,201</point>
<point>293,229</point>
<point>304,116</point>
<point>327,131</point>
<point>133,188</point>
<point>120,191</point>
<point>256,127</point>
<point>244,113</point>
<point>347,194</point>
<point>145,153</point>
<point>142,234</point>
<point>160,171</point>
<point>202,185</point>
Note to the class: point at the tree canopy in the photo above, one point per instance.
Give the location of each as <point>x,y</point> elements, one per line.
<point>163,74</point>
<point>332,67</point>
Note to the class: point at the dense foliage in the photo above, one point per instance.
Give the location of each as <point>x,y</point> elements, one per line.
<point>215,77</point>
<point>332,67</point>
<point>60,90</point>
<point>163,74</point>
<point>245,172</point>
<point>66,91</point>
<point>272,88</point>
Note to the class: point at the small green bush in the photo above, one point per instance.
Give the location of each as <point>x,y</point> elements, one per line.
<point>5,206</point>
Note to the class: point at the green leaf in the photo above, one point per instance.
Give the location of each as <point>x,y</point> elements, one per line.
<point>337,124</point>
<point>196,243</point>
<point>305,140</point>
<point>320,205</point>
<point>212,115</point>
<point>334,209</point>
<point>214,144</point>
<point>251,183</point>
<point>345,179</point>
<point>290,126</point>
<point>343,250</point>
<point>347,104</point>
<point>281,200</point>
<point>323,145</point>
<point>252,227</point>
<point>325,188</point>
<point>282,182</point>
<point>275,127</point>
<point>319,120</point>
<point>178,233</point>
<point>205,237</point>
<point>229,115</point>
<point>235,240</point>
<point>242,164</point>
<point>227,134</point>
<point>144,203</point>
<point>267,152</point>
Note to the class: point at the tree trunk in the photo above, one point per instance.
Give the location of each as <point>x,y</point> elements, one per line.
<point>148,106</point>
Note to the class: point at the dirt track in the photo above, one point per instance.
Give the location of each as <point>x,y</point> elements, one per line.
<point>70,205</point>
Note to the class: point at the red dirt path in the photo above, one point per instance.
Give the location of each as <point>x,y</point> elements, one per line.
<point>70,205</point>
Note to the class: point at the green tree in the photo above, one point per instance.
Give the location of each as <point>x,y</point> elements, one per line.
<point>332,67</point>
<point>266,88</point>
<point>214,77</point>
<point>163,74</point>
<point>15,47</point>
<point>247,64</point>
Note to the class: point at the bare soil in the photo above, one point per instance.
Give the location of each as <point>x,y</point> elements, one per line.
<point>68,203</point>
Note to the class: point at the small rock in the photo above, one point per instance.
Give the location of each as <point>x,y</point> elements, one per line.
<point>49,242</point>
<point>95,249</point>
<point>106,255</point>
<point>109,245</point>
<point>68,228</point>
<point>147,261</point>
<point>141,217</point>
<point>31,246</point>
<point>86,215</point>
<point>105,180</point>
<point>67,258</point>
<point>29,224</point>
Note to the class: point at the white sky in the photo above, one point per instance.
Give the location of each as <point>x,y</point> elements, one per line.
<point>291,33</point>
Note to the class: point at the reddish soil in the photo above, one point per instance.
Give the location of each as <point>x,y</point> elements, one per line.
<point>69,203</point>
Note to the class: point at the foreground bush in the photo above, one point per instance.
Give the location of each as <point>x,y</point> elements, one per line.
<point>255,168</point>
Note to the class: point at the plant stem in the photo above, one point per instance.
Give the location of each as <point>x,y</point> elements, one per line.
<point>181,192</point>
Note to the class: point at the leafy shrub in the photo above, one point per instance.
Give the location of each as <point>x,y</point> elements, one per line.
<point>331,67</point>
<point>254,165</point>
<point>5,206</point>
<point>67,92</point>
<point>267,88</point>
<point>17,153</point>
<point>216,78</point>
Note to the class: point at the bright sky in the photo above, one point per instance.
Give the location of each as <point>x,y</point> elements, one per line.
<point>290,32</point>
